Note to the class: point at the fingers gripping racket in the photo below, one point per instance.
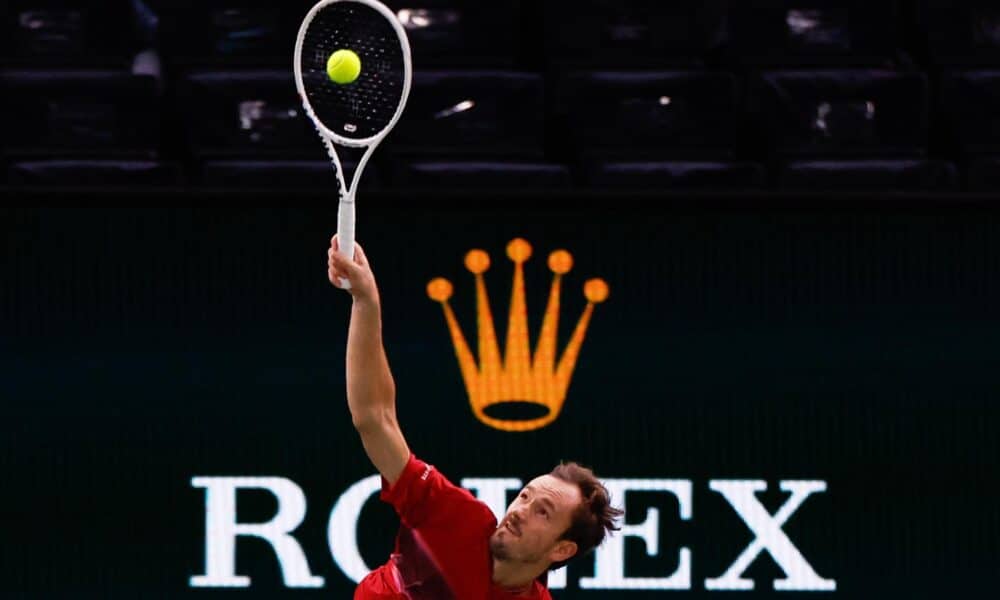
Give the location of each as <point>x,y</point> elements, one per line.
<point>360,113</point>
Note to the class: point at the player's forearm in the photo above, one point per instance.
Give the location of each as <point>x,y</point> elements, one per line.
<point>371,391</point>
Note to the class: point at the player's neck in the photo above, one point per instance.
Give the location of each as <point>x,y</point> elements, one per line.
<point>514,577</point>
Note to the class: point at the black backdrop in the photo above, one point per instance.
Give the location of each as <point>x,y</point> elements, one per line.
<point>855,342</point>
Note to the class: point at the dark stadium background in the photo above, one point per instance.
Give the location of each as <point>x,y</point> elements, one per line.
<point>793,204</point>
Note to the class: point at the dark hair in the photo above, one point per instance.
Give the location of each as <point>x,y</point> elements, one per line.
<point>594,518</point>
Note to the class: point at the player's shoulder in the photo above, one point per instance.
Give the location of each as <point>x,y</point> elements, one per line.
<point>461,499</point>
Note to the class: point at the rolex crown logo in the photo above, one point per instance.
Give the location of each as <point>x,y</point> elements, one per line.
<point>519,377</point>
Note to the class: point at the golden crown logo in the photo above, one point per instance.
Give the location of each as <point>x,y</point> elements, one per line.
<point>518,377</point>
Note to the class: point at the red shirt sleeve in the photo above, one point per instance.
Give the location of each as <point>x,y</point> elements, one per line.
<point>450,525</point>
<point>424,498</point>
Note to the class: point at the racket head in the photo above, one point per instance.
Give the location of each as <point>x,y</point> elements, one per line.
<point>359,113</point>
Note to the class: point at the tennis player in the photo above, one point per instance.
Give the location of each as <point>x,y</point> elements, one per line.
<point>449,545</point>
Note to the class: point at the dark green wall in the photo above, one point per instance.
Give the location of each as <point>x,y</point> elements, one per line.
<point>854,342</point>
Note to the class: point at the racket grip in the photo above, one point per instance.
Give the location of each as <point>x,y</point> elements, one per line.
<point>345,235</point>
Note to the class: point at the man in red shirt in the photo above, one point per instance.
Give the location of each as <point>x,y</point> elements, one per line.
<point>449,545</point>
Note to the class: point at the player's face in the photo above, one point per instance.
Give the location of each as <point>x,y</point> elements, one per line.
<point>540,514</point>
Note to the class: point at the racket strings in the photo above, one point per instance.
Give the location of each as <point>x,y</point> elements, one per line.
<point>365,107</point>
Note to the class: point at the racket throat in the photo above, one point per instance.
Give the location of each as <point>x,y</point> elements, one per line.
<point>347,196</point>
<point>348,162</point>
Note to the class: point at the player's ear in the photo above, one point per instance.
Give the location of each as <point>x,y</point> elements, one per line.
<point>563,550</point>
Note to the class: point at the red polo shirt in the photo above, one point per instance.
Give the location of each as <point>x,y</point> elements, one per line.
<point>442,549</point>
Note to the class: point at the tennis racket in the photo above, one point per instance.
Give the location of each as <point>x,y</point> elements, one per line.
<point>361,113</point>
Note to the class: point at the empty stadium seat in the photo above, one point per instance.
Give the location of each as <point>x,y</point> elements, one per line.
<point>460,33</point>
<point>79,112</point>
<point>68,32</point>
<point>970,109</point>
<point>258,33</point>
<point>857,112</point>
<point>246,113</point>
<point>647,113</point>
<point>635,34</point>
<point>486,113</point>
<point>819,32</point>
<point>961,32</point>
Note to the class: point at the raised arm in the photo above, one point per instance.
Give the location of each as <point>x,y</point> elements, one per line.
<point>371,391</point>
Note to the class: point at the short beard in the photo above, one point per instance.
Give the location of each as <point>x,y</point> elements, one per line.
<point>498,549</point>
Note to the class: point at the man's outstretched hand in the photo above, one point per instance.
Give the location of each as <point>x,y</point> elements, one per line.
<point>358,272</point>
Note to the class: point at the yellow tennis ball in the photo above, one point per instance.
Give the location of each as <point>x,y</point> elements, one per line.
<point>343,66</point>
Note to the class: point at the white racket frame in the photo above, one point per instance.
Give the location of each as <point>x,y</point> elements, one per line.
<point>346,213</point>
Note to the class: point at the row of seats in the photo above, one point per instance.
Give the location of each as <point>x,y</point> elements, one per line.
<point>684,94</point>
<point>387,172</point>
<point>650,114</point>
<point>525,34</point>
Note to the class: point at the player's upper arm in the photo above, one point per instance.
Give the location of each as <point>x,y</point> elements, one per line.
<point>385,445</point>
